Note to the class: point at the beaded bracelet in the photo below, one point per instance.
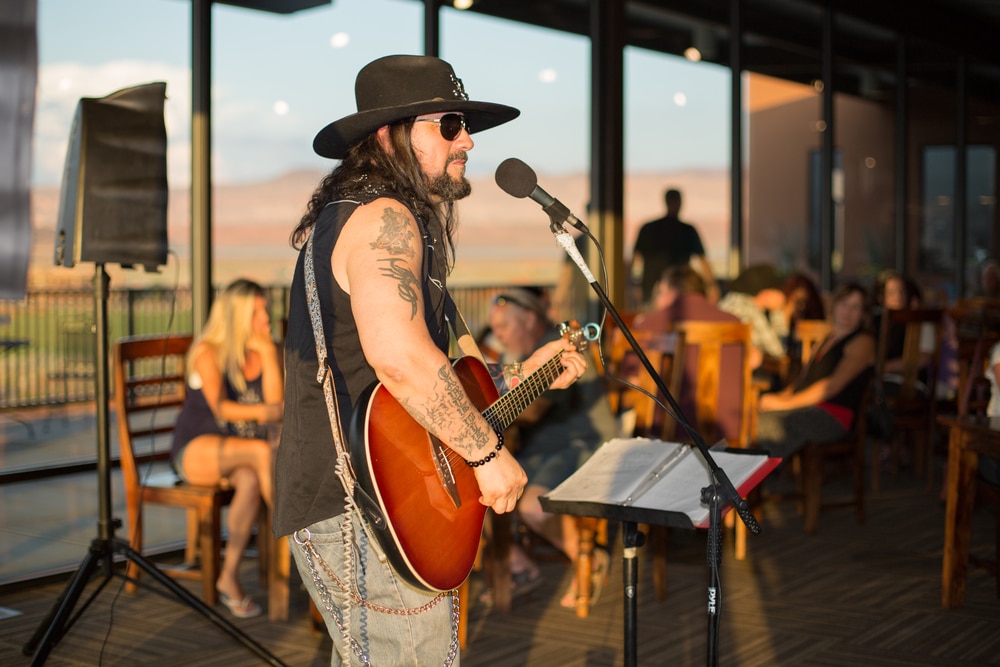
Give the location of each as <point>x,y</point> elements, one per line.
<point>492,455</point>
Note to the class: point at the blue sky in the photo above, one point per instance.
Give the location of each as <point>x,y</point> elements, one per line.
<point>278,79</point>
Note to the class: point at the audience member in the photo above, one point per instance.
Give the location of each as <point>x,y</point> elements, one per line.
<point>554,436</point>
<point>899,294</point>
<point>802,299</point>
<point>756,298</point>
<point>989,467</point>
<point>820,405</point>
<point>667,242</point>
<point>680,297</point>
<point>989,279</point>
<point>234,390</point>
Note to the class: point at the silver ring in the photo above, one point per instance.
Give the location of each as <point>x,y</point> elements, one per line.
<point>295,536</point>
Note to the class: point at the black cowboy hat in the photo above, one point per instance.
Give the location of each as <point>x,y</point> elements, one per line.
<point>395,88</point>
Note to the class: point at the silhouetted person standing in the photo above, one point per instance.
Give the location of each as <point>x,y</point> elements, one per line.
<point>668,242</point>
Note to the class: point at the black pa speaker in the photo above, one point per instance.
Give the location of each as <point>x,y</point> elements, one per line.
<point>113,202</point>
<point>18,74</point>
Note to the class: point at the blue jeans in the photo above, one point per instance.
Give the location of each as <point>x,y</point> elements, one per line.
<point>373,616</point>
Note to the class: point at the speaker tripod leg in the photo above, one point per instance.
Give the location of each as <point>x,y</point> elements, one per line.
<point>196,604</point>
<point>54,626</point>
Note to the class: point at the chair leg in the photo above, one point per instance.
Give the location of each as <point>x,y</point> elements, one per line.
<point>135,541</point>
<point>210,546</point>
<point>812,487</point>
<point>877,444</point>
<point>859,480</point>
<point>658,544</point>
<point>587,528</point>
<point>265,544</point>
<point>191,547</point>
<point>498,561</point>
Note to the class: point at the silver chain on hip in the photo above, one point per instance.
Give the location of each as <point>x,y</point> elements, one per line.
<point>312,557</point>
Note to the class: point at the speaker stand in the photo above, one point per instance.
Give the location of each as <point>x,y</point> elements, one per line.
<point>102,551</point>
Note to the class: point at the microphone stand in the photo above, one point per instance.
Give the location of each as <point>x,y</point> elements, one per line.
<point>716,495</point>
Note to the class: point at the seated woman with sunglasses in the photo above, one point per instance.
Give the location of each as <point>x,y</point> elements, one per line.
<point>555,435</point>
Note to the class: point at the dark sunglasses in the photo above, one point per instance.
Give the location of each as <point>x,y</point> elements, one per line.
<point>451,125</point>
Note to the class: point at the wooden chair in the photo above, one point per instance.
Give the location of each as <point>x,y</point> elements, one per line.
<point>149,389</point>
<point>703,345</point>
<point>665,351</point>
<point>815,463</point>
<point>915,405</point>
<point>976,334</point>
<point>810,334</point>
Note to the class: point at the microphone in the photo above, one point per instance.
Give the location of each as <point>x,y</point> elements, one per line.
<point>519,180</point>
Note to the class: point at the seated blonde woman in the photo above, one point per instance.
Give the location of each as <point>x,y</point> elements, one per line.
<point>234,389</point>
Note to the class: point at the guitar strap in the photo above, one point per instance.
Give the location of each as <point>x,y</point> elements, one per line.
<point>343,468</point>
<point>345,472</point>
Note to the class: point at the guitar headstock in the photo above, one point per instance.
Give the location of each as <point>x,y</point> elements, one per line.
<point>577,335</point>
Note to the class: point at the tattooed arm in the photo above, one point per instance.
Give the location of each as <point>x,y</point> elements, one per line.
<point>377,260</point>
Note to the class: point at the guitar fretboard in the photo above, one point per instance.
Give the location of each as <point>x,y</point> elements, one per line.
<point>505,409</point>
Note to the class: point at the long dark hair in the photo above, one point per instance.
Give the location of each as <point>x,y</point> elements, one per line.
<point>367,172</point>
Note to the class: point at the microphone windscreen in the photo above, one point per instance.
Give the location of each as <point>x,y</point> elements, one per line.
<point>516,178</point>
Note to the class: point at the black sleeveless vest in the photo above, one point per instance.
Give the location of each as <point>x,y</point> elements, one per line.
<point>307,489</point>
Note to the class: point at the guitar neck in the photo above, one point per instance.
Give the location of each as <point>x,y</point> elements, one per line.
<point>505,409</point>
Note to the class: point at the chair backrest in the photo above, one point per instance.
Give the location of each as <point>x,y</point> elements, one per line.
<point>807,335</point>
<point>717,364</point>
<point>149,385</point>
<point>665,351</point>
<point>977,330</point>
<point>913,322</point>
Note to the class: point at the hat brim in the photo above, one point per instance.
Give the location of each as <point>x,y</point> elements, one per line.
<point>334,140</point>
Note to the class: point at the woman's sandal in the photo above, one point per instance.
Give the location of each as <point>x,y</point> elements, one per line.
<point>245,608</point>
<point>598,575</point>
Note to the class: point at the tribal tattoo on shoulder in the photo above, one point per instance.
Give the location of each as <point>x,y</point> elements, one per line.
<point>395,238</point>
<point>406,282</point>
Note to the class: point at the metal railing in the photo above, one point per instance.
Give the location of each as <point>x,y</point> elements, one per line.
<point>49,340</point>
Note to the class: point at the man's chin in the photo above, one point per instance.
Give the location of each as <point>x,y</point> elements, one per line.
<point>450,189</point>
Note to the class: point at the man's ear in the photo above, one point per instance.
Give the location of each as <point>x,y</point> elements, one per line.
<point>383,138</point>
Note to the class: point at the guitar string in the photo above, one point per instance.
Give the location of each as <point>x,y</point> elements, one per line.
<point>505,409</point>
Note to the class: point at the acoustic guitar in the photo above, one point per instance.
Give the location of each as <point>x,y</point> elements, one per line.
<point>419,497</point>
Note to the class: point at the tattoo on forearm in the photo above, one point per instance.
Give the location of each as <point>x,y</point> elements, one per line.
<point>441,401</point>
<point>399,270</point>
<point>395,235</point>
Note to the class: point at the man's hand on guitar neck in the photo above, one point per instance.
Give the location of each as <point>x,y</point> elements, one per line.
<point>573,362</point>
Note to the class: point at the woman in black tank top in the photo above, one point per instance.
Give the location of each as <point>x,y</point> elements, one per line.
<point>819,406</point>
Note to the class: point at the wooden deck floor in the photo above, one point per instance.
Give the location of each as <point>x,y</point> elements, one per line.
<point>850,595</point>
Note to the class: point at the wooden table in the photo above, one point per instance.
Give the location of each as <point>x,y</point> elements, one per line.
<point>969,437</point>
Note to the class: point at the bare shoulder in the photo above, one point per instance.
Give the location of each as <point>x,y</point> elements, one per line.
<point>385,226</point>
<point>204,355</point>
<point>861,345</point>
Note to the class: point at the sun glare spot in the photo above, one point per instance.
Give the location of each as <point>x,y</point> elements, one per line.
<point>548,75</point>
<point>280,108</point>
<point>680,99</point>
<point>340,40</point>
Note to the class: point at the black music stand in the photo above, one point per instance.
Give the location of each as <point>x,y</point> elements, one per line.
<point>683,484</point>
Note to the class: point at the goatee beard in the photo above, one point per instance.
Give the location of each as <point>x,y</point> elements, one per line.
<point>447,188</point>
